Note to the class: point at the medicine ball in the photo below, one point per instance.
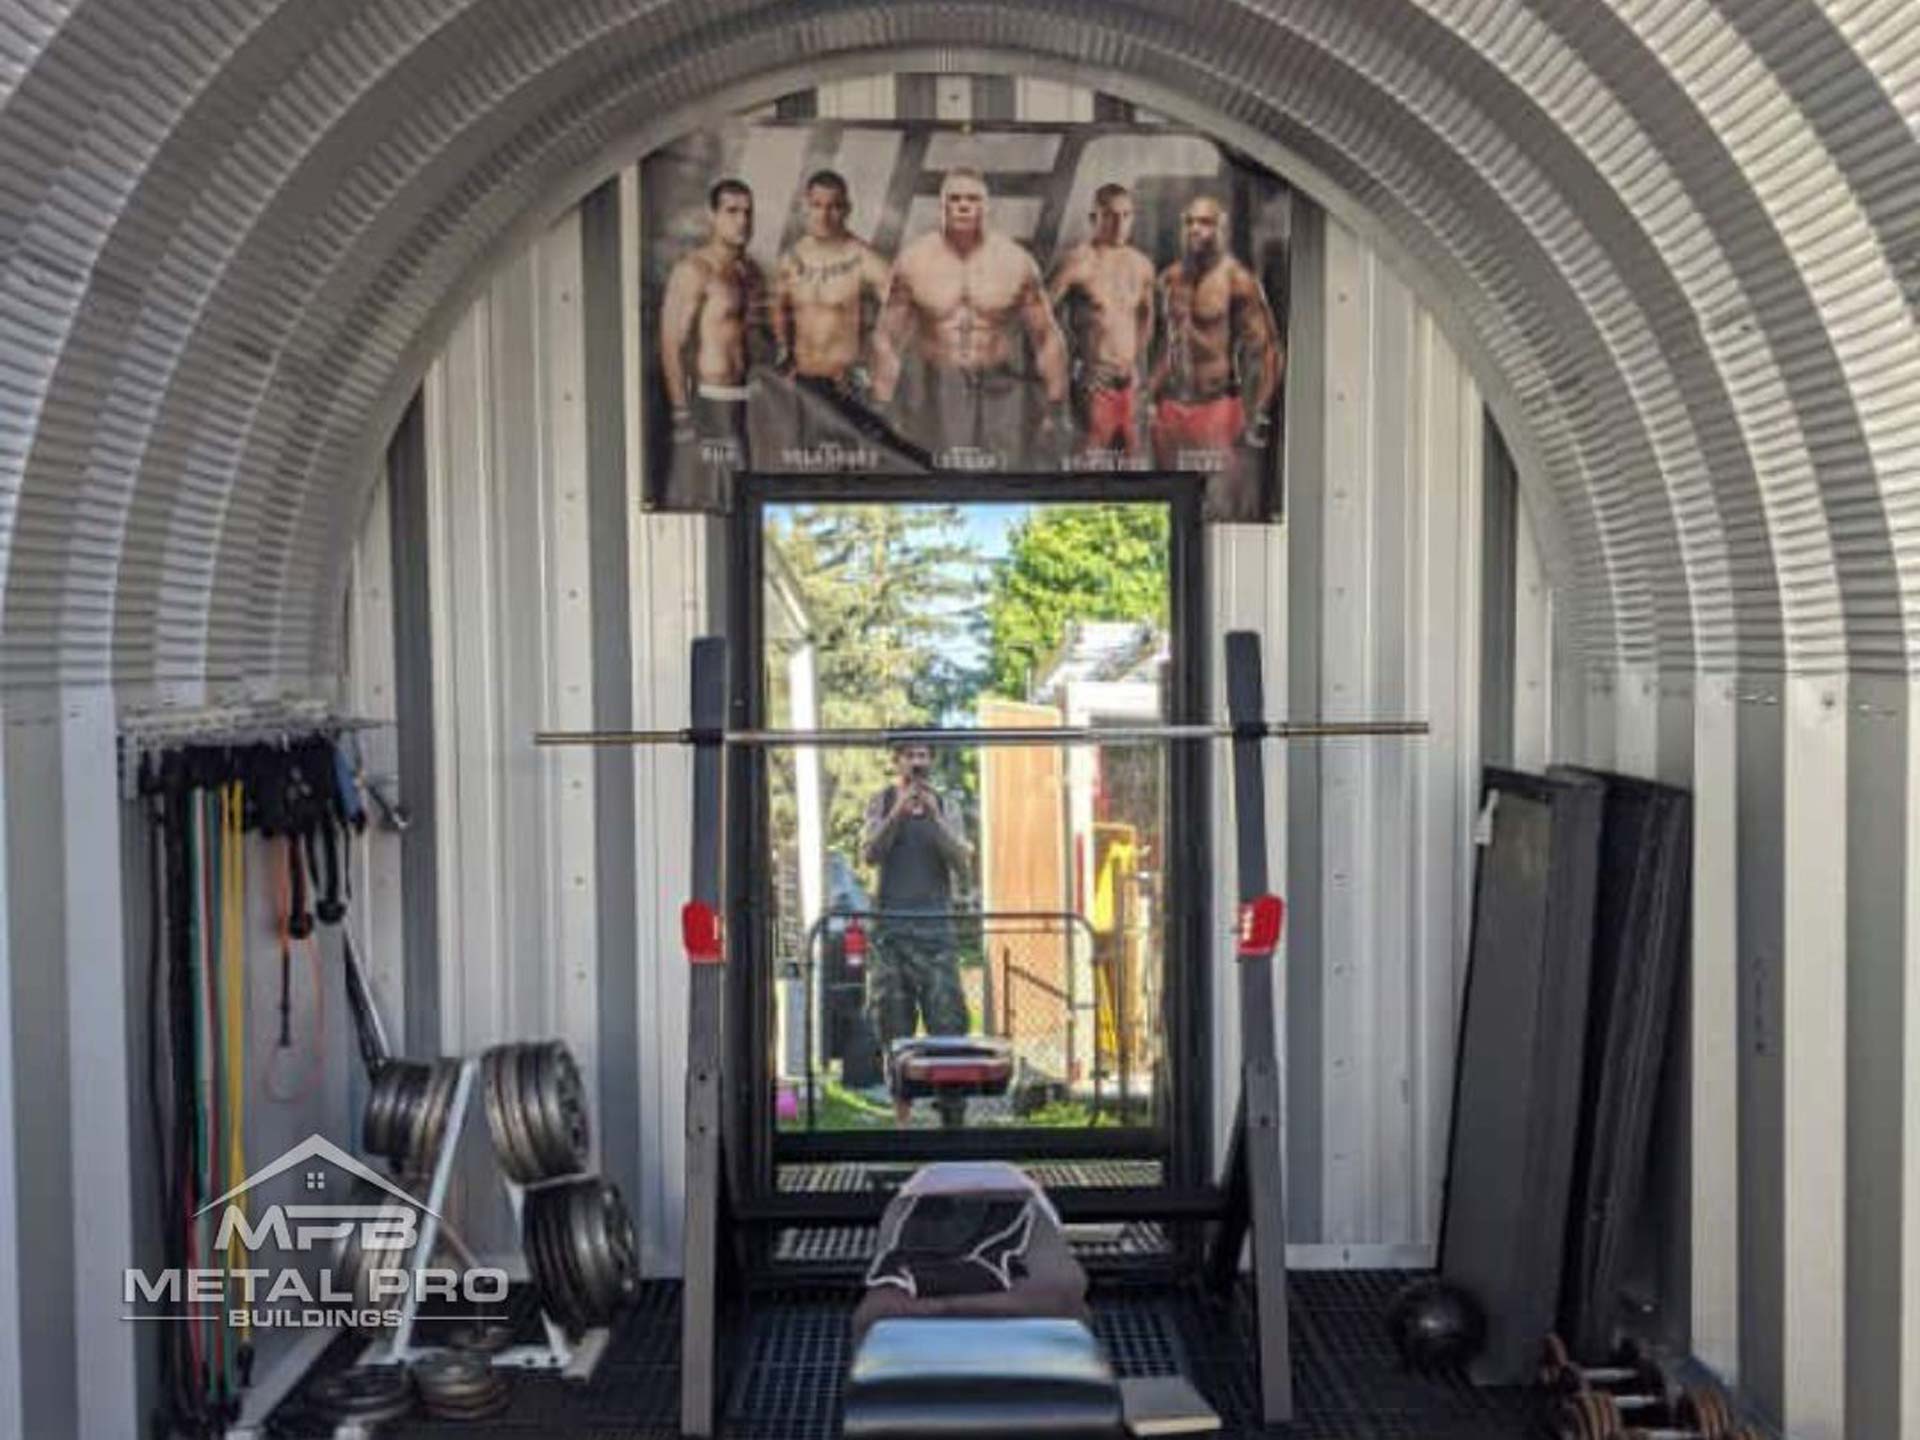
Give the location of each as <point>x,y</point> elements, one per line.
<point>1435,1326</point>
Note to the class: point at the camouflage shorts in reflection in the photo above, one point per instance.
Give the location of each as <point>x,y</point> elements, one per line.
<point>914,980</point>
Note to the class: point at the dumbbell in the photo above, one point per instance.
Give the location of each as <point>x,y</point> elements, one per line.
<point>1600,1398</point>
<point>1597,1415</point>
<point>1599,1401</point>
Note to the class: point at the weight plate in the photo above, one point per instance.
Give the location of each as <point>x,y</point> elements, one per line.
<point>482,1337</point>
<point>533,1116</point>
<point>416,1133</point>
<point>562,1219</point>
<point>488,1409</point>
<point>593,1239</point>
<point>455,1377</point>
<point>587,1251</point>
<point>557,1155</point>
<point>480,1406</point>
<point>523,1160</point>
<point>618,1245</point>
<point>544,1261</point>
<point>507,1143</point>
<point>414,1088</point>
<point>1571,1422</point>
<point>429,1116</point>
<point>563,1104</point>
<point>575,1283</point>
<point>573,1094</point>
<point>364,1394</point>
<point>1604,1412</point>
<point>485,1396</point>
<point>1568,1381</point>
<point>490,1401</point>
<point>490,1092</point>
<point>402,1101</point>
<point>370,1127</point>
<point>1554,1360</point>
<point>383,1102</point>
<point>1703,1410</point>
<point>549,1121</point>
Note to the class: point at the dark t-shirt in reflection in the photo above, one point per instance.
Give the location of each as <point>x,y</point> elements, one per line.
<point>915,878</point>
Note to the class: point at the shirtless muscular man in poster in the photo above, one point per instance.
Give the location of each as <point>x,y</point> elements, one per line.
<point>1218,367</point>
<point>828,290</point>
<point>829,287</point>
<point>715,299</point>
<point>963,300</point>
<point>1104,291</point>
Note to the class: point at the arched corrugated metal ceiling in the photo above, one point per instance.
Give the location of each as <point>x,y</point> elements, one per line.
<point>1670,235</point>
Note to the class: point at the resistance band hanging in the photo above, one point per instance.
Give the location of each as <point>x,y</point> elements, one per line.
<point>202,802</point>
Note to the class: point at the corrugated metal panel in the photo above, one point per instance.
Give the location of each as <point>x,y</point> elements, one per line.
<point>1247,573</point>
<point>1399,630</point>
<point>1425,97</point>
<point>377,910</point>
<point>1878,1042</point>
<point>511,620</point>
<point>1675,242</point>
<point>1533,665</point>
<point>1716,1038</point>
<point>1410,183</point>
<point>1813,997</point>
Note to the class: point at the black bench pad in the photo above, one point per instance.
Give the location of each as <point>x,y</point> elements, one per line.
<point>981,1380</point>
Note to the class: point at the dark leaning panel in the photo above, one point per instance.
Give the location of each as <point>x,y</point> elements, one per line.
<point>1348,1383</point>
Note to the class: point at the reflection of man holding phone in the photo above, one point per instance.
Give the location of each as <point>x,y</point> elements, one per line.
<point>913,839</point>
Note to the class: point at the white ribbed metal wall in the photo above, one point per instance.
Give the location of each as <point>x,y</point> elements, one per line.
<point>1676,242</point>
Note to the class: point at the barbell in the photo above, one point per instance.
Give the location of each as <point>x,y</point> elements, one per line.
<point>989,736</point>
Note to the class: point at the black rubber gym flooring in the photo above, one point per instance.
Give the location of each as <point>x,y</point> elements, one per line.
<point>785,1381</point>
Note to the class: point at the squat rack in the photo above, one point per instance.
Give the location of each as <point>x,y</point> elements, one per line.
<point>1247,1207</point>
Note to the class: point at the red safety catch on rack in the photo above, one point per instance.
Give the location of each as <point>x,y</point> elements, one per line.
<point>1260,922</point>
<point>853,945</point>
<point>701,934</point>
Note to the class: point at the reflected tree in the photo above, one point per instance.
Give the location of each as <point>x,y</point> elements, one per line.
<point>892,599</point>
<point>1067,563</point>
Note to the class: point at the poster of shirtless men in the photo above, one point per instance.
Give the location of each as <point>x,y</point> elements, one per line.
<point>880,298</point>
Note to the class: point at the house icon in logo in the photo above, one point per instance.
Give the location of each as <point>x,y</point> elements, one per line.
<point>316,1149</point>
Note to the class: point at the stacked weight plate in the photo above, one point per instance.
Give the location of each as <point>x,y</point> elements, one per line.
<point>460,1385</point>
<point>407,1111</point>
<point>536,1110</point>
<point>355,1263</point>
<point>364,1396</point>
<point>580,1248</point>
<point>575,1229</point>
